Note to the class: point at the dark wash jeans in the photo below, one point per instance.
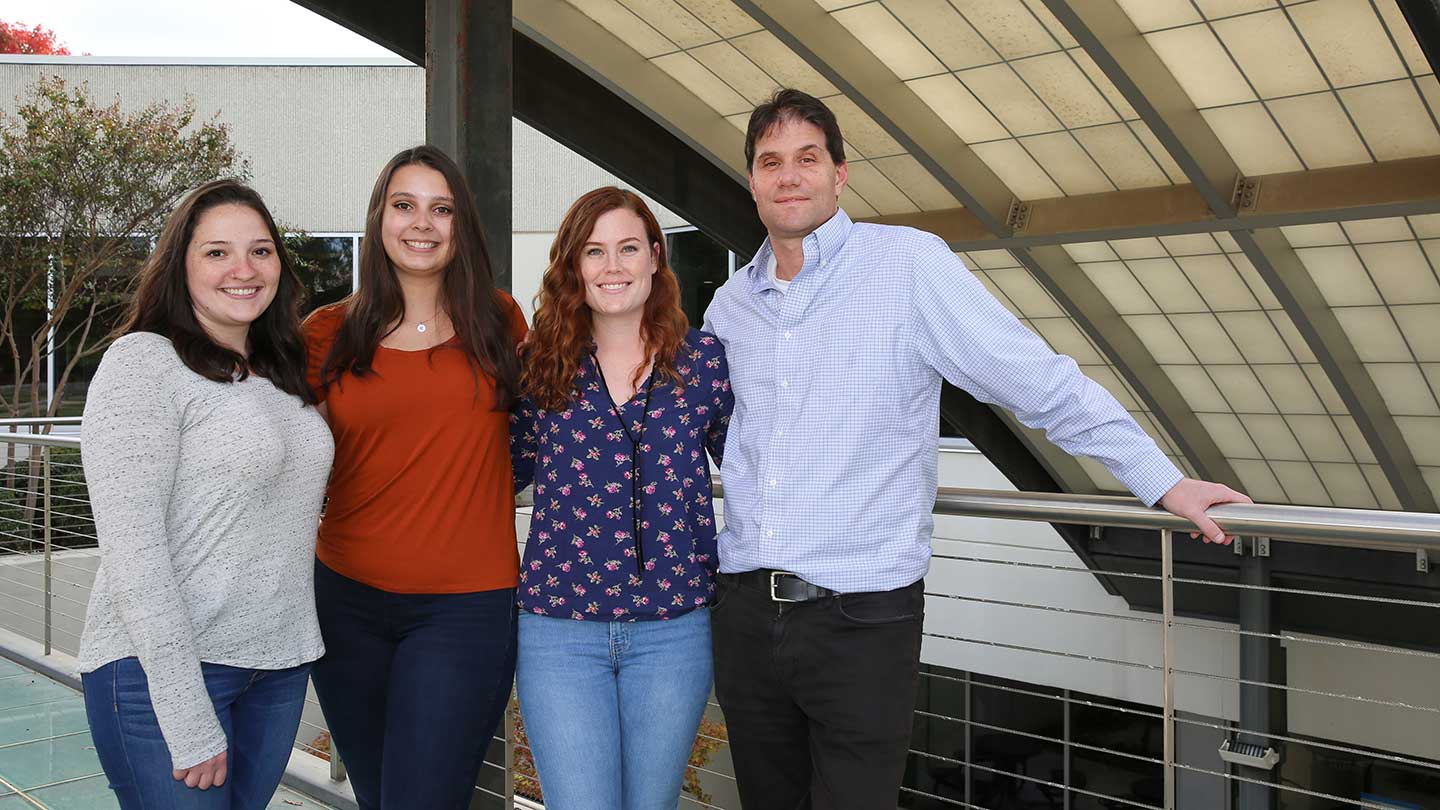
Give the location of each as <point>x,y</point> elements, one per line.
<point>412,686</point>
<point>259,710</point>
<point>818,696</point>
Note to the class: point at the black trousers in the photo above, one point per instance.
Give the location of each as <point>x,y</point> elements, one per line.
<point>413,686</point>
<point>818,696</point>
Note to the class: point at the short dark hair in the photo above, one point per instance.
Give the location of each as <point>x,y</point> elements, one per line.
<point>162,300</point>
<point>789,104</point>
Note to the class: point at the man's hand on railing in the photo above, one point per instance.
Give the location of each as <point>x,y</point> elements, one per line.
<point>1190,498</point>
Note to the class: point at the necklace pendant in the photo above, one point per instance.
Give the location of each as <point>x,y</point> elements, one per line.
<point>420,327</point>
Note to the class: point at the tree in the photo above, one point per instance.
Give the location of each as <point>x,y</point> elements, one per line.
<point>16,38</point>
<point>85,188</point>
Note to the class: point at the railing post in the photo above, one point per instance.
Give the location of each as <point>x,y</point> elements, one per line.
<point>1167,631</point>
<point>45,461</point>
<point>337,768</point>
<point>510,754</point>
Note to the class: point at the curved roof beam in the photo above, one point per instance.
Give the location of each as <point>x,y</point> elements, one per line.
<point>1108,35</point>
<point>833,51</point>
<point>599,54</point>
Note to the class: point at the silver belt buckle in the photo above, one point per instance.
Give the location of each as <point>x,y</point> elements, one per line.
<point>773,596</point>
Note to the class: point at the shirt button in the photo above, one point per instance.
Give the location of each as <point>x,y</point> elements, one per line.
<point>784,383</point>
<point>770,533</point>
<point>787,335</point>
<point>773,482</point>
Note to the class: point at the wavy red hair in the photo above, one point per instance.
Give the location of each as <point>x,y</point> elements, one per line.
<point>561,336</point>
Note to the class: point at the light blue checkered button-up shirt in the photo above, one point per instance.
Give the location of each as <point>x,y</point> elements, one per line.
<point>830,461</point>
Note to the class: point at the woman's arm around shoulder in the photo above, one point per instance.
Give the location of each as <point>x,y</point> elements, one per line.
<point>718,396</point>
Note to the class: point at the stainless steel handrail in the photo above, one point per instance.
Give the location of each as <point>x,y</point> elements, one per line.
<point>1367,528</point>
<point>40,439</point>
<point>39,421</point>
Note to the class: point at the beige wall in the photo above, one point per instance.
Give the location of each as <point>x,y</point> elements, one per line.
<point>316,135</point>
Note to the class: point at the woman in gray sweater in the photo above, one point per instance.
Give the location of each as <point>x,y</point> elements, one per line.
<point>206,463</point>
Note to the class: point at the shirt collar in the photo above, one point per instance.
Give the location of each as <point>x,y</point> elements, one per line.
<point>821,245</point>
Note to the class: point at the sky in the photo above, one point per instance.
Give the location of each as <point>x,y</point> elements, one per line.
<point>192,28</point>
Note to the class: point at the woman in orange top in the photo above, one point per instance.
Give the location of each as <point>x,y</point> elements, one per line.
<point>416,569</point>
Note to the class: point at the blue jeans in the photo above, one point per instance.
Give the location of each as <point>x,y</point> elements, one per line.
<point>611,708</point>
<point>259,710</point>
<point>412,686</point>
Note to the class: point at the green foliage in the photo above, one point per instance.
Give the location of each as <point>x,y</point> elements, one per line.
<point>22,501</point>
<point>85,185</point>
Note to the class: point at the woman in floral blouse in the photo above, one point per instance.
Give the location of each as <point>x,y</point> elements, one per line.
<point>622,400</point>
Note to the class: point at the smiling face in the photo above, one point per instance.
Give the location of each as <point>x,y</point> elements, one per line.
<point>416,227</point>
<point>232,272</point>
<point>617,264</point>
<point>795,182</point>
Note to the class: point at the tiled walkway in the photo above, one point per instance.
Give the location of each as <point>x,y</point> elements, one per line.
<point>46,754</point>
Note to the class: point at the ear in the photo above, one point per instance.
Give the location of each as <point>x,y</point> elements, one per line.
<point>654,258</point>
<point>842,176</point>
<point>750,175</point>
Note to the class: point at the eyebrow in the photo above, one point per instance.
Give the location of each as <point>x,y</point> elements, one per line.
<point>622,241</point>
<point>226,242</point>
<point>806,148</point>
<point>437,198</point>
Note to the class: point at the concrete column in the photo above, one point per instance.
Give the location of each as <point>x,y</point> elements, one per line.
<point>468,103</point>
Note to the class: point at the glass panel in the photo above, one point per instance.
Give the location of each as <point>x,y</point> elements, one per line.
<point>1271,54</point>
<point>324,264</point>
<point>623,23</point>
<point>1009,27</point>
<point>878,30</point>
<point>1318,128</point>
<point>945,32</point>
<point>958,108</point>
<point>737,71</point>
<point>783,65</point>
<point>1000,751</point>
<point>701,265</point>
<point>1020,173</point>
<point>1201,66</point>
<point>1059,82</point>
<point>941,691</point>
<point>1348,41</point>
<point>1393,120</point>
<point>1129,735</point>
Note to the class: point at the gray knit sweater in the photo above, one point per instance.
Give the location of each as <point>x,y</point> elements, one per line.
<point>207,499</point>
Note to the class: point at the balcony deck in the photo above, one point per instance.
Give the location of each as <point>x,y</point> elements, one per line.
<point>47,761</point>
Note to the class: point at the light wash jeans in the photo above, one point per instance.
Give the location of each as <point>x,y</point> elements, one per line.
<point>611,708</point>
<point>258,709</point>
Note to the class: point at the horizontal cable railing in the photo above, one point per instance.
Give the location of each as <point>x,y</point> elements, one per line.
<point>1013,619</point>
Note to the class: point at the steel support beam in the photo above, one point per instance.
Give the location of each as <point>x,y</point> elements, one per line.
<point>1108,35</point>
<point>569,106</point>
<point>1256,648</point>
<point>468,72</point>
<point>1369,191</point>
<point>605,58</point>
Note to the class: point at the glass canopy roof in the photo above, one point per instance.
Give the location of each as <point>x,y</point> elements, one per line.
<point>1305,368</point>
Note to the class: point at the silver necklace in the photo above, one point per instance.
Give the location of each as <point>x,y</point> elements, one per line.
<point>421,327</point>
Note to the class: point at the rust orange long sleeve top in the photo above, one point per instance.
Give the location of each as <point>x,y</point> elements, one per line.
<point>421,496</point>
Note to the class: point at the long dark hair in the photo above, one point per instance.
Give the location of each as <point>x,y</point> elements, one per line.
<point>561,335</point>
<point>467,290</point>
<point>162,301</point>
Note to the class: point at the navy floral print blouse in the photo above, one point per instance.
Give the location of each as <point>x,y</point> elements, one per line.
<point>580,560</point>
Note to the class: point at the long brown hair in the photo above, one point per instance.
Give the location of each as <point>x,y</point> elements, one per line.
<point>467,290</point>
<point>162,304</point>
<point>561,336</point>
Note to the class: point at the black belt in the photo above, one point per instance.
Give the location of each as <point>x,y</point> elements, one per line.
<point>782,586</point>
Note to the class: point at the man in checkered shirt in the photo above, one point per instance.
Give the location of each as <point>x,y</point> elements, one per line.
<point>838,335</point>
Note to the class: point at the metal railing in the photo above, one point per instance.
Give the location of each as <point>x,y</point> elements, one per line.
<point>989,618</point>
